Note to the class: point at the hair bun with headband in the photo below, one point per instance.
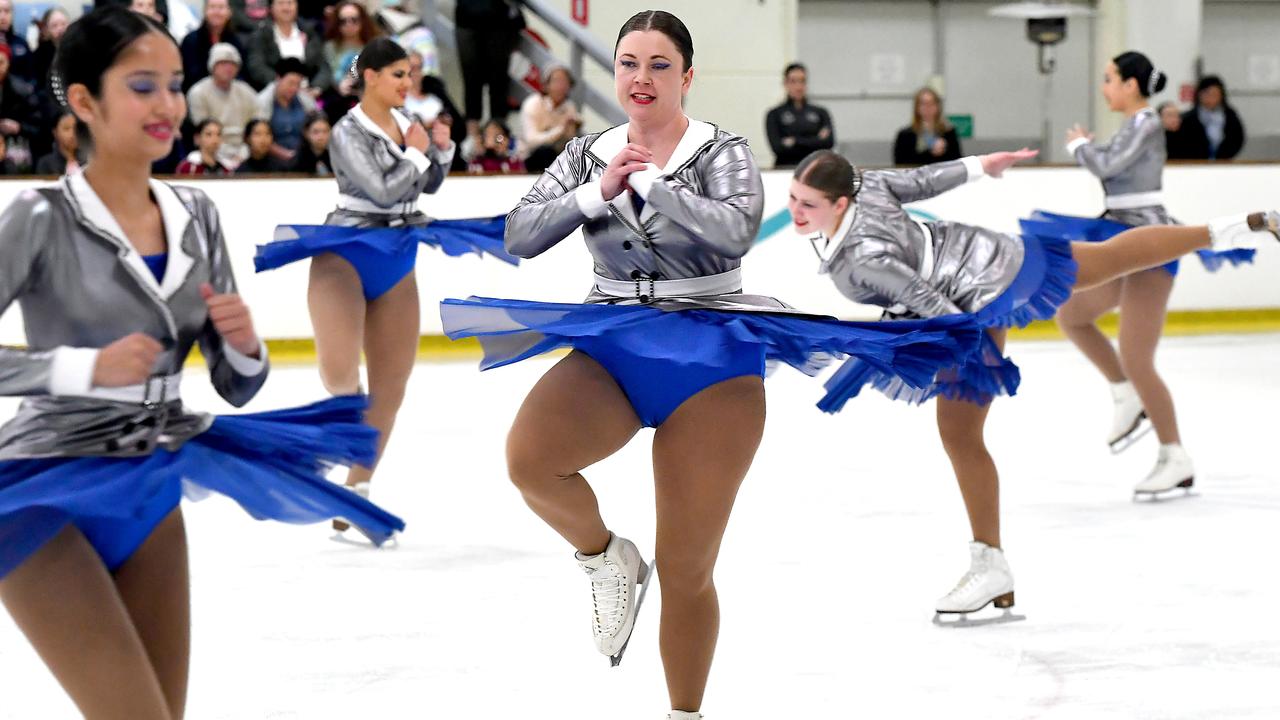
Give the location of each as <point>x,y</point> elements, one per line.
<point>1155,82</point>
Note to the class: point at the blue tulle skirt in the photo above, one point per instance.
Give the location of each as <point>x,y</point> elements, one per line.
<point>271,463</point>
<point>1071,227</point>
<point>382,256</point>
<point>660,358</point>
<point>1042,285</point>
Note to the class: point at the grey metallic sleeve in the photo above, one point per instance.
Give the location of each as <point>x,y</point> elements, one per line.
<point>550,211</point>
<point>22,372</point>
<point>927,181</point>
<point>891,278</point>
<point>1126,148</point>
<point>234,386</point>
<point>725,215</point>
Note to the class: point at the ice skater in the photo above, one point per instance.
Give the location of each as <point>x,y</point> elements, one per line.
<point>877,254</point>
<point>1130,166</point>
<point>118,276</point>
<point>667,205</point>
<point>362,294</point>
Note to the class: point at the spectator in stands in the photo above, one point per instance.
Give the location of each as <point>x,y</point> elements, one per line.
<point>66,157</point>
<point>1212,129</point>
<point>929,138</point>
<point>19,52</point>
<point>204,160</point>
<point>196,46</point>
<point>796,128</point>
<point>350,30</point>
<point>285,109</point>
<point>52,25</point>
<point>281,38</point>
<point>549,120</point>
<point>148,8</point>
<point>487,32</point>
<point>7,166</point>
<point>313,156</point>
<point>19,121</point>
<point>260,160</point>
<point>1174,139</point>
<point>494,155</point>
<point>428,100</point>
<point>222,97</point>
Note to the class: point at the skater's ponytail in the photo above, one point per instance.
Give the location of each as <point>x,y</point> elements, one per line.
<point>1137,66</point>
<point>829,173</point>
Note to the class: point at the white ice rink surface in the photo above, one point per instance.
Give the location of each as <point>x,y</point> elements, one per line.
<point>845,532</point>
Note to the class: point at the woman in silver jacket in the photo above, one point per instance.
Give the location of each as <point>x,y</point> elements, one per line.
<point>118,277</point>
<point>1130,167</point>
<point>875,253</point>
<point>666,340</point>
<point>363,295</point>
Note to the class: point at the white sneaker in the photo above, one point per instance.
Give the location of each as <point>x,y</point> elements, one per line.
<point>987,582</point>
<point>614,573</point>
<point>684,715</point>
<point>1243,231</point>
<point>1173,470</point>
<point>1127,418</point>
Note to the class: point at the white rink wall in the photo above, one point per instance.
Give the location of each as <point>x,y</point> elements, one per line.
<point>782,266</point>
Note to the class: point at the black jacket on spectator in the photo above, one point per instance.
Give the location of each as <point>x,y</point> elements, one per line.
<point>195,54</point>
<point>17,103</point>
<point>1177,147</point>
<point>20,64</point>
<point>487,32</point>
<point>41,62</point>
<point>260,63</point>
<point>308,162</point>
<point>1195,144</point>
<point>7,167</point>
<point>905,151</point>
<point>804,124</point>
<point>56,164</point>
<point>267,164</point>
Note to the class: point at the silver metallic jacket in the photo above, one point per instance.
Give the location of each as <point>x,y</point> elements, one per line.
<point>701,213</point>
<point>881,256</point>
<point>1130,167</point>
<point>378,181</point>
<point>82,286</point>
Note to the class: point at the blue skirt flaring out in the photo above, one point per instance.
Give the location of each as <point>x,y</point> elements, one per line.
<point>1071,227</point>
<point>271,463</point>
<point>662,357</point>
<point>1042,285</point>
<point>382,256</point>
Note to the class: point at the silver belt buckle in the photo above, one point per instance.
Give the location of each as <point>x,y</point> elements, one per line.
<point>151,400</point>
<point>640,295</point>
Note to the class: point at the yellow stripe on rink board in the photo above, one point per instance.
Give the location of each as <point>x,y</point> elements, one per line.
<point>1179,323</point>
<point>438,348</point>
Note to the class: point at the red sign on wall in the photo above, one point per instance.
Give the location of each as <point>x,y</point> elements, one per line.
<point>580,11</point>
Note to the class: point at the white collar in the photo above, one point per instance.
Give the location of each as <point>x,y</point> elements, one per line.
<point>367,123</point>
<point>826,246</point>
<point>610,142</point>
<point>174,215</point>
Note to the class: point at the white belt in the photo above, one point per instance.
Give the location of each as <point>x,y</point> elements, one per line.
<point>1133,201</point>
<point>926,263</point>
<point>355,204</point>
<point>158,389</point>
<point>646,289</point>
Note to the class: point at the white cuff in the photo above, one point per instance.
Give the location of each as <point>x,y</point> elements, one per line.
<point>72,370</point>
<point>415,156</point>
<point>642,180</point>
<point>973,164</point>
<point>590,199</point>
<point>244,365</point>
<point>444,157</point>
<point>1076,145</point>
